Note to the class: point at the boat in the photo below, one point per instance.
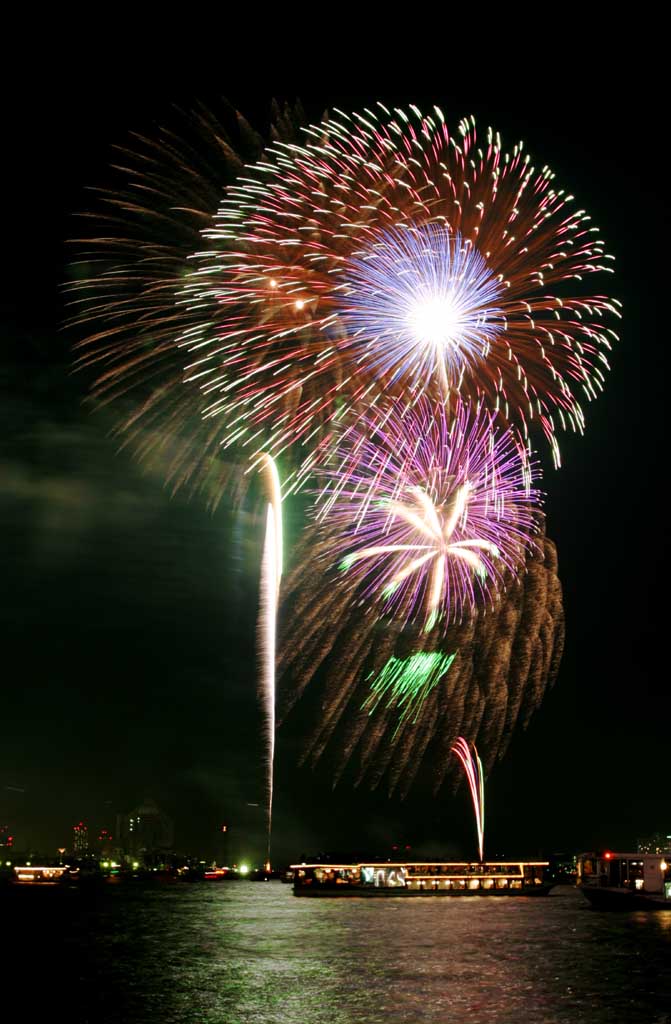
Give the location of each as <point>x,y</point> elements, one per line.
<point>419,878</point>
<point>28,874</point>
<point>216,874</point>
<point>625,881</point>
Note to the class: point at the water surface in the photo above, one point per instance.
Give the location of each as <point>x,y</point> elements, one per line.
<point>252,953</point>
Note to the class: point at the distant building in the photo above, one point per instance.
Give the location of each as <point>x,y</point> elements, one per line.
<point>105,843</point>
<point>6,838</point>
<point>146,831</point>
<point>80,839</point>
<point>658,842</point>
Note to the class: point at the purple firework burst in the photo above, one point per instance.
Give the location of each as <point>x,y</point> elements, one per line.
<point>434,507</point>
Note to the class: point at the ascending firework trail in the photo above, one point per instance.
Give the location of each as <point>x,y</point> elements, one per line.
<point>271,574</point>
<point>472,765</point>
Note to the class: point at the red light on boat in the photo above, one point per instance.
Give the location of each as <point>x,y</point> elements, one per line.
<point>608,856</point>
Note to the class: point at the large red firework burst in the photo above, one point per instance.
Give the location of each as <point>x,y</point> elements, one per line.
<point>385,226</point>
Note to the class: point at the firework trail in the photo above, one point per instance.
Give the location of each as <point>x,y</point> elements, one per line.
<point>433,510</point>
<point>271,575</point>
<point>472,765</point>
<point>267,647</point>
<point>266,464</point>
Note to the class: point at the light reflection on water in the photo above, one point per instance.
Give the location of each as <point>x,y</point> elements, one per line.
<point>251,953</point>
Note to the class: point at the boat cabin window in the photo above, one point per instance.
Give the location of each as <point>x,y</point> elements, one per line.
<point>533,873</point>
<point>632,874</point>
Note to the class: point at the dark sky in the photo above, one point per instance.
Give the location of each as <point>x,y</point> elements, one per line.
<point>130,614</point>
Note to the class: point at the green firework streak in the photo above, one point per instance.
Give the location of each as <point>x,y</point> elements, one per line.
<point>405,683</point>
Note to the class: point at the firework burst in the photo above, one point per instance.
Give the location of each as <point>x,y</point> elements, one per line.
<point>432,509</point>
<point>398,306</point>
<point>389,257</point>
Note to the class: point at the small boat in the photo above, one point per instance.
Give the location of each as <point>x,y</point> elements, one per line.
<point>384,878</point>
<point>625,881</point>
<point>216,874</point>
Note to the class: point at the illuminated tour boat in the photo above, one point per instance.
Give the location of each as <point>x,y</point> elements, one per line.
<point>370,878</point>
<point>28,874</point>
<point>626,881</point>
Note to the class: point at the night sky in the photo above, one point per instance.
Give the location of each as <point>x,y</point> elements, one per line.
<point>129,614</point>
